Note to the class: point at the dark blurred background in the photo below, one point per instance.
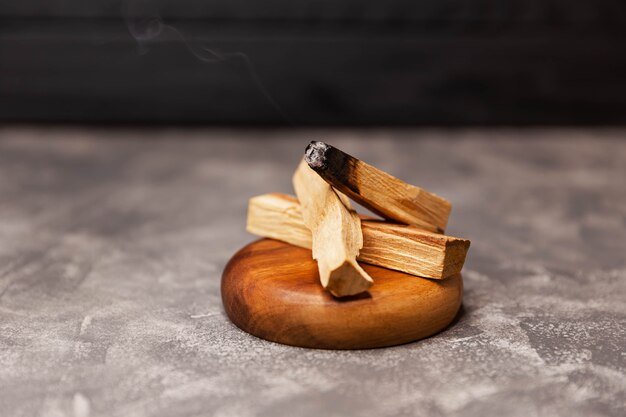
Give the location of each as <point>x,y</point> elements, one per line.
<point>303,62</point>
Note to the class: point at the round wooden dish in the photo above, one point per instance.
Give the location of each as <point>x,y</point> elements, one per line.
<point>271,290</point>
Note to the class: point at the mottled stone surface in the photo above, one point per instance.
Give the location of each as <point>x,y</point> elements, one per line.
<point>112,243</point>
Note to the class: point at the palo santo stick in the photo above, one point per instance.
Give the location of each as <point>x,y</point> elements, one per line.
<point>336,233</point>
<point>403,248</point>
<point>380,192</point>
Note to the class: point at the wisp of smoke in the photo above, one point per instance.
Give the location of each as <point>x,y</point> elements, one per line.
<point>146,26</point>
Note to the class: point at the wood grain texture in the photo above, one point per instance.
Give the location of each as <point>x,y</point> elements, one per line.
<point>335,233</point>
<point>270,289</point>
<point>399,247</point>
<point>380,192</point>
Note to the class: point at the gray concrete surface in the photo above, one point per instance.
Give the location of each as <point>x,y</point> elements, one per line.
<point>112,243</point>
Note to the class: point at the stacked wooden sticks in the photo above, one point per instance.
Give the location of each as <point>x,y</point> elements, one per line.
<point>410,239</point>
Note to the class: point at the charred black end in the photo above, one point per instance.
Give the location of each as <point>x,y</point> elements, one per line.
<point>335,166</point>
<point>315,155</point>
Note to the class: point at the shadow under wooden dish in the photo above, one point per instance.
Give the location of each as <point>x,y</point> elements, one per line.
<point>271,289</point>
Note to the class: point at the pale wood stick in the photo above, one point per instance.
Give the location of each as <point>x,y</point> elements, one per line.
<point>380,192</point>
<point>402,248</point>
<point>336,233</point>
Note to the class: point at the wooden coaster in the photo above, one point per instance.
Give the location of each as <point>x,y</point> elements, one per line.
<point>271,289</point>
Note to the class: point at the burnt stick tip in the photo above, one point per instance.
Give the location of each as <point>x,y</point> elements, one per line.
<point>315,154</point>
